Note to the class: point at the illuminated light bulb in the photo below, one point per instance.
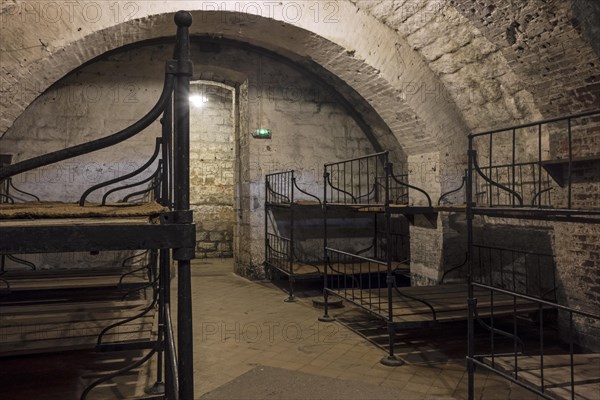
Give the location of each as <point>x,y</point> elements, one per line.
<point>198,100</point>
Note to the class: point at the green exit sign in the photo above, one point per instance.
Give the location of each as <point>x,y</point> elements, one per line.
<point>262,133</point>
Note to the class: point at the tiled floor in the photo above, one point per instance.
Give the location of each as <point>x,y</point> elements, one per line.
<point>239,325</point>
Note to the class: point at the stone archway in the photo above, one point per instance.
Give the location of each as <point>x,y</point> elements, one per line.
<point>364,53</point>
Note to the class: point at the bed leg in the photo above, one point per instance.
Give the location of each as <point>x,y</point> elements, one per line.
<point>291,298</point>
<point>159,386</point>
<point>326,317</point>
<point>391,360</point>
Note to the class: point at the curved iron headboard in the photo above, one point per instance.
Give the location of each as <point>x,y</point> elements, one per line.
<point>491,182</point>
<point>338,189</point>
<point>538,194</point>
<point>410,186</point>
<point>302,191</point>
<point>268,184</point>
<point>98,144</point>
<point>462,184</point>
<point>121,178</point>
<point>433,312</point>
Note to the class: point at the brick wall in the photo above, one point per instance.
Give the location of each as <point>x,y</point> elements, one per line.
<point>577,248</point>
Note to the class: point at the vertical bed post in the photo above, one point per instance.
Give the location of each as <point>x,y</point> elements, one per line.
<point>471,301</point>
<point>266,264</point>
<point>164,280</point>
<point>391,360</point>
<point>325,317</point>
<point>159,386</point>
<point>182,204</point>
<point>291,298</point>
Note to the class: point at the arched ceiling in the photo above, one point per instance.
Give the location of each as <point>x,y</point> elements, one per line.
<point>431,69</point>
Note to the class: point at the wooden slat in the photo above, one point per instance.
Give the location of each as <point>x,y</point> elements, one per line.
<point>7,310</point>
<point>65,282</point>
<point>72,343</point>
<point>65,332</point>
<point>44,210</point>
<point>72,321</point>
<point>307,203</point>
<point>345,269</point>
<point>18,223</point>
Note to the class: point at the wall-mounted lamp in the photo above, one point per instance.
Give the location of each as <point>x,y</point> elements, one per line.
<point>261,133</point>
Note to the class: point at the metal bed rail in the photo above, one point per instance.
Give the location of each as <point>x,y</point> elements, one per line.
<point>368,181</point>
<point>399,246</point>
<point>281,188</point>
<point>511,176</point>
<point>364,181</point>
<point>172,386</point>
<point>279,253</point>
<point>524,202</point>
<point>456,195</point>
<point>132,262</point>
<point>524,183</point>
<point>357,180</point>
<point>357,279</point>
<point>525,272</point>
<point>396,180</point>
<point>398,188</point>
<point>521,374</point>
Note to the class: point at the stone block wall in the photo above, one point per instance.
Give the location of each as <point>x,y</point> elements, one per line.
<point>212,163</point>
<point>309,127</point>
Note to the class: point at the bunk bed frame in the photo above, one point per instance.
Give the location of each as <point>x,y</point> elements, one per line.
<point>165,227</point>
<point>348,275</point>
<point>500,189</point>
<point>281,192</point>
<point>367,184</point>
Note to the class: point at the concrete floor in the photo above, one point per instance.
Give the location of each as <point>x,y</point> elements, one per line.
<point>247,338</point>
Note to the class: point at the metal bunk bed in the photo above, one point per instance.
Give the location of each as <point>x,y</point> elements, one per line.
<point>164,227</point>
<point>539,185</point>
<point>282,192</point>
<point>368,185</point>
<point>348,275</point>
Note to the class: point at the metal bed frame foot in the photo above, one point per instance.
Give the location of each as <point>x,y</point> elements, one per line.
<point>391,361</point>
<point>326,318</point>
<point>156,389</point>
<point>291,299</point>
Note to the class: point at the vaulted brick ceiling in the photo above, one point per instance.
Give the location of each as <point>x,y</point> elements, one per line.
<point>432,69</point>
